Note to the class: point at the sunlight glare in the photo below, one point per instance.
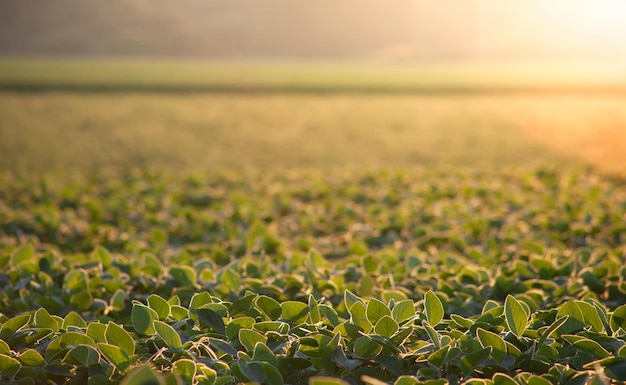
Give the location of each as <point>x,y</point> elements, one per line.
<point>585,23</point>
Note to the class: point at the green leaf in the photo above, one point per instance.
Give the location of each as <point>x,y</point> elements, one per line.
<point>272,326</point>
<point>73,319</point>
<point>618,318</point>
<point>536,380</point>
<point>615,368</point>
<point>358,316</point>
<point>330,314</point>
<point>263,354</point>
<point>314,310</point>
<point>212,319</point>
<point>553,327</point>
<point>231,280</point>
<point>143,319</point>
<point>365,348</point>
<point>82,355</point>
<point>116,356</point>
<point>9,366</point>
<point>183,275</point>
<point>376,309</point>
<point>294,312</point>
<point>402,335</point>
<point>253,371</point>
<point>82,300</point>
<point>326,381</point>
<point>249,339</point>
<point>269,306</point>
<point>233,327</point>
<point>43,319</point>
<point>438,357</point>
<point>186,369</point>
<point>348,330</point>
<point>515,315</point>
<point>591,316</point>
<point>462,321</point>
<point>31,357</point>
<point>272,375</point>
<point>76,281</point>
<point>168,334</point>
<point>116,335</point>
<point>159,305</point>
<point>74,339</point>
<point>587,345</point>
<point>371,380</point>
<point>200,299</point>
<point>432,333</point>
<point>340,358</point>
<point>223,346</point>
<point>13,325</point>
<point>407,380</point>
<point>97,331</point>
<point>433,308</point>
<point>179,312</point>
<point>22,255</point>
<point>159,236</point>
<point>349,299</point>
<point>576,320</point>
<point>473,360</point>
<point>144,375</point>
<point>118,300</point>
<point>34,335</point>
<point>497,344</point>
<point>503,379</point>
<point>242,305</point>
<point>386,327</point>
<point>206,375</point>
<point>403,310</point>
<point>101,254</point>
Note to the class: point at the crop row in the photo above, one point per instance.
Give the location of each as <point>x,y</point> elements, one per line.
<point>435,276</point>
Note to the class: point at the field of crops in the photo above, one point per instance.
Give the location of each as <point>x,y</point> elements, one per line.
<point>307,238</point>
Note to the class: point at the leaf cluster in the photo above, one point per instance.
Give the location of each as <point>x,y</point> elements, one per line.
<point>377,277</point>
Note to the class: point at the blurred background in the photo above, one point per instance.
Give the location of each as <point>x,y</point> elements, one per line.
<point>214,84</point>
<point>364,29</point>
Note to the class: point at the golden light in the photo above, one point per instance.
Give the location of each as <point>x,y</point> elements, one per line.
<point>582,28</point>
<point>588,20</point>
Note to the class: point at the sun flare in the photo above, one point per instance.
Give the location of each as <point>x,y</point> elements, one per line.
<point>584,25</point>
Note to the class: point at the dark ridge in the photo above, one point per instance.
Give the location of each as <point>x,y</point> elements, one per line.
<point>25,87</point>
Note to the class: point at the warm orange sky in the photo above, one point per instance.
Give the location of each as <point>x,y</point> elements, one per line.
<point>432,30</point>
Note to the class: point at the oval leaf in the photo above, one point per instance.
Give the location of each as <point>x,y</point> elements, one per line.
<point>376,310</point>
<point>143,319</point>
<point>497,344</point>
<point>386,327</point>
<point>249,338</point>
<point>168,334</point>
<point>116,335</point>
<point>159,305</point>
<point>515,315</point>
<point>433,308</point>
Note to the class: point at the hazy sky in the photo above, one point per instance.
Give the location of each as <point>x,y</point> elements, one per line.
<point>390,29</point>
<point>570,28</point>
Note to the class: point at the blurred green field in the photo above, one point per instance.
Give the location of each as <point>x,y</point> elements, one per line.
<point>81,115</point>
<point>180,76</point>
<point>216,132</point>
